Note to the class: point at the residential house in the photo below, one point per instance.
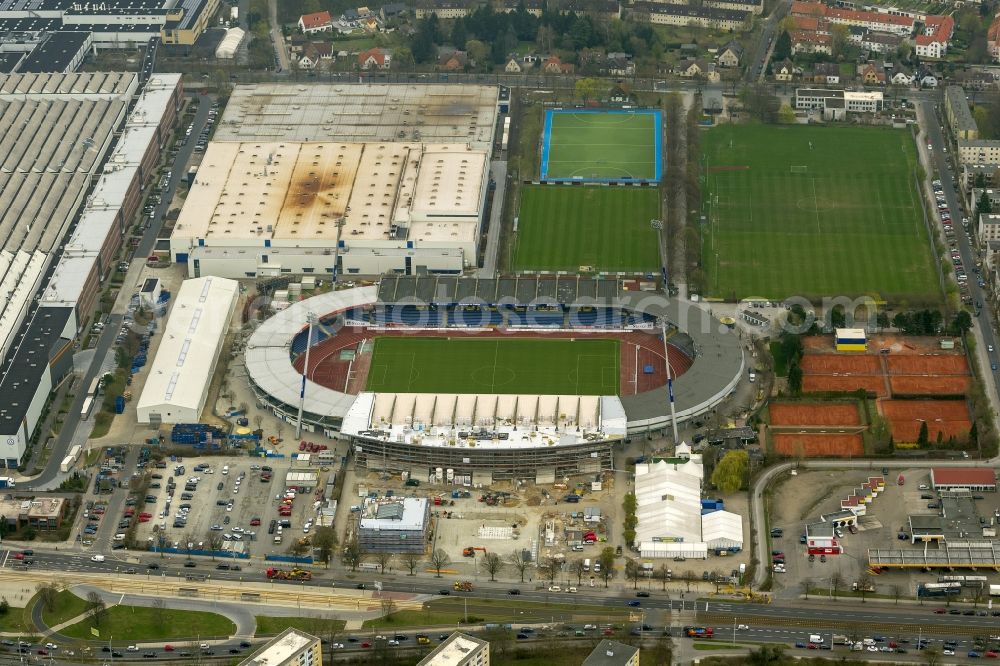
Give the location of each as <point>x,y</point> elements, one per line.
<point>993,38</point>
<point>619,64</point>
<point>927,46</point>
<point>317,22</point>
<point>393,10</point>
<point>879,42</point>
<point>974,79</point>
<point>375,58</point>
<point>554,65</point>
<point>872,74</point>
<point>901,78</point>
<point>731,55</point>
<point>882,22</point>
<point>452,60</point>
<point>813,9</point>
<point>619,94</point>
<point>445,9</point>
<point>937,34</point>
<point>513,66</point>
<point>533,7</point>
<point>661,13</point>
<point>785,70</point>
<point>805,41</point>
<point>826,72</point>
<point>926,78</point>
<point>602,9</point>
<point>315,53</point>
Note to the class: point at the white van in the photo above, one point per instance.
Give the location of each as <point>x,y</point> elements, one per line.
<point>815,638</point>
<point>97,558</point>
<point>597,567</point>
<point>753,376</point>
<point>586,564</point>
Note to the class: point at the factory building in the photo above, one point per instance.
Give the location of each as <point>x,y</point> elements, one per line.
<point>394,525</point>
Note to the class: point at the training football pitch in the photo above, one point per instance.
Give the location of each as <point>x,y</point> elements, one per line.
<point>601,145</point>
<point>561,228</point>
<point>814,211</point>
<point>495,365</point>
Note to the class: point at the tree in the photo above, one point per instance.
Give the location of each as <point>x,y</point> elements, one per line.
<point>549,568</point>
<point>922,437</point>
<point>96,606</point>
<point>896,591</point>
<point>664,574</point>
<point>48,594</point>
<point>806,584</point>
<point>836,582</point>
<point>931,656</point>
<point>588,89</point>
<point>4,606</point>
<point>258,420</point>
<point>607,562</point>
<point>493,564</point>
<point>782,47</point>
<point>795,378</point>
<point>839,35</point>
<point>325,541</point>
<point>387,604</point>
<point>439,558</point>
<point>863,583</point>
<point>214,543</point>
<point>731,472</point>
<point>579,568</point>
<point>298,547</point>
<point>411,560</point>
<point>767,654</point>
<point>688,576</point>
<point>352,555</point>
<point>383,560</point>
<point>519,561</point>
<point>962,323</point>
<point>984,206</point>
<point>630,505</point>
<point>159,606</point>
<point>633,572</point>
<point>477,51</point>
<point>786,115</point>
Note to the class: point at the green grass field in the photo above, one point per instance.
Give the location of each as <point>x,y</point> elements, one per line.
<point>494,365</point>
<point>814,211</point>
<point>602,145</point>
<point>561,228</point>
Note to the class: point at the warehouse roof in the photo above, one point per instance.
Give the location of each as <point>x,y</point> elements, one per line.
<point>435,113</point>
<point>190,343</point>
<point>963,476</point>
<point>23,369</point>
<point>722,527</point>
<point>406,513</point>
<point>611,653</point>
<point>57,53</point>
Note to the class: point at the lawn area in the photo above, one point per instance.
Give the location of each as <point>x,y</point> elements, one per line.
<point>780,360</point>
<point>452,611</point>
<point>600,145</point>
<point>16,621</point>
<point>138,623</point>
<point>67,606</point>
<point>270,625</point>
<point>813,212</point>
<point>562,228</point>
<point>495,365</point>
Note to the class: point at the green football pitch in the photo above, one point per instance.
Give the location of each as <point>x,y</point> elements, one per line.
<point>600,146</point>
<point>495,365</point>
<point>561,228</point>
<point>814,211</point>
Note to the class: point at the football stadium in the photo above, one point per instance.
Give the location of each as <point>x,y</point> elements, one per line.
<point>530,377</point>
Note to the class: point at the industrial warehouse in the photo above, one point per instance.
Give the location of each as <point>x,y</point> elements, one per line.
<point>356,179</point>
<point>66,124</point>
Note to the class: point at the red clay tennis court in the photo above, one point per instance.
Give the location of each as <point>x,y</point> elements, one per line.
<point>818,445</point>
<point>926,364</point>
<point>841,364</point>
<point>832,414</point>
<point>844,383</point>
<point>949,417</point>
<point>917,385</point>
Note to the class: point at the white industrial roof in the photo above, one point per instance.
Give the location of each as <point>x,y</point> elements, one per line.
<point>414,509</point>
<point>190,343</point>
<point>227,47</point>
<point>722,529</point>
<point>282,648</point>
<point>852,333</point>
<point>270,365</point>
<point>668,495</point>
<point>19,278</point>
<point>454,651</point>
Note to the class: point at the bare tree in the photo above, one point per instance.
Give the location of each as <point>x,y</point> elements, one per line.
<point>96,606</point>
<point>352,555</point>
<point>549,568</point>
<point>159,606</point>
<point>325,541</point>
<point>48,595</point>
<point>493,564</point>
<point>688,576</point>
<point>214,543</point>
<point>931,656</point>
<point>836,582</point>
<point>388,606</point>
<point>577,566</point>
<point>439,559</point>
<point>519,562</point>
<point>633,572</point>
<point>806,586</point>
<point>258,420</point>
<point>383,560</point>
<point>896,591</point>
<point>411,560</point>
<point>864,584</point>
<point>664,575</point>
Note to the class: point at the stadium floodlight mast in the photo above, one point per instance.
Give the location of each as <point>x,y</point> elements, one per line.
<point>670,379</point>
<point>311,319</point>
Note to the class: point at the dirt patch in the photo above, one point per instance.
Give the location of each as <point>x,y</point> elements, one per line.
<point>949,417</point>
<point>927,364</point>
<point>818,445</point>
<point>841,364</point>
<point>844,383</point>
<point>916,385</point>
<point>833,414</point>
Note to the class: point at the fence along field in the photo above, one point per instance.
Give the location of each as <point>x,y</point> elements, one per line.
<point>814,211</point>
<point>601,145</point>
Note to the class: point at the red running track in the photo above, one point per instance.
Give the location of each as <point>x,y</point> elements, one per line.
<point>638,350</point>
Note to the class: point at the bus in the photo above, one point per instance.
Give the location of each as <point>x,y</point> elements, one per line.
<point>88,408</point>
<point>939,590</point>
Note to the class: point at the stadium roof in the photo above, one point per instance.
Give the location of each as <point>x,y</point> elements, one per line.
<point>434,113</point>
<point>524,290</point>
<point>190,344</point>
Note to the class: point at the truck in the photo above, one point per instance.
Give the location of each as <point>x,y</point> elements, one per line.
<point>462,586</point>
<point>66,464</point>
<point>840,639</point>
<point>699,632</point>
<point>7,482</point>
<point>294,573</point>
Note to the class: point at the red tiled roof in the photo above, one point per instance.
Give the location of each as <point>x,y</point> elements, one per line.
<point>800,8</point>
<point>963,476</point>
<point>924,40</point>
<point>316,20</point>
<point>941,27</point>
<point>869,17</point>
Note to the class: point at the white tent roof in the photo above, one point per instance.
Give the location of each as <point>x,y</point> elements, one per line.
<point>722,529</point>
<point>669,501</point>
<point>654,549</point>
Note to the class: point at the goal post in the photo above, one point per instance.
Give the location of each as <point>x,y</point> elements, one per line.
<point>799,168</point>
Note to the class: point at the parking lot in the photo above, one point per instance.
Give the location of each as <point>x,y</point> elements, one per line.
<point>803,498</point>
